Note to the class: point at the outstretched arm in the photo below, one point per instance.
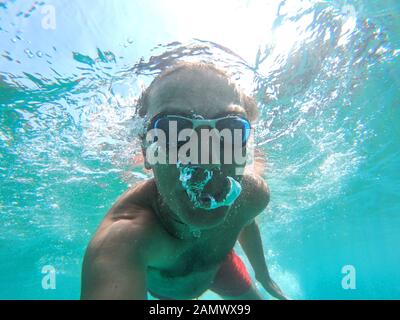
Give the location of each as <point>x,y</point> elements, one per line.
<point>251,242</point>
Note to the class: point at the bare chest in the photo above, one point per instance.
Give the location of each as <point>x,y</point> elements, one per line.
<point>190,270</point>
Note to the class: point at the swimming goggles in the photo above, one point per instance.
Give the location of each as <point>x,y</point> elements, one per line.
<point>230,122</point>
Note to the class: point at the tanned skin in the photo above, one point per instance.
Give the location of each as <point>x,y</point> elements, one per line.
<point>133,251</point>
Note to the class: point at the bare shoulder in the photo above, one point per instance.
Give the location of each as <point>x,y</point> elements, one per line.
<point>130,227</point>
<point>122,248</point>
<point>254,198</point>
<point>141,196</point>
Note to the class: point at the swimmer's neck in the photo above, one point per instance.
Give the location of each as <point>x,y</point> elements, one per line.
<point>174,225</point>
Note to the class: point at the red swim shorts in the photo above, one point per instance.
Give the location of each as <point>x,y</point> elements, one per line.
<point>232,278</point>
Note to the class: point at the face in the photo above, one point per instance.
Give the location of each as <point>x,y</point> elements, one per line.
<point>189,94</point>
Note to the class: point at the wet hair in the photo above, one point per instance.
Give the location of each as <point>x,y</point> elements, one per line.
<point>240,98</point>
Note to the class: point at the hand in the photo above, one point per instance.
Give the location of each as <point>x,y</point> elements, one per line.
<point>271,287</point>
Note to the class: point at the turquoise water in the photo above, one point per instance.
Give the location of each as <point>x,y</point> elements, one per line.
<point>326,77</point>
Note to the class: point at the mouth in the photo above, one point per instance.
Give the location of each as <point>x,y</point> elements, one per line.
<point>216,189</point>
<point>208,189</point>
<point>204,198</point>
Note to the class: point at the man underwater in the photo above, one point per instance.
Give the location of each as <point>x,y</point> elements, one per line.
<point>173,235</point>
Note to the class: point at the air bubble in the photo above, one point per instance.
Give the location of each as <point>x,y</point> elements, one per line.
<point>28,53</point>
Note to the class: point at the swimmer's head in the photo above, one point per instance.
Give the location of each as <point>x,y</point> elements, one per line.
<point>203,85</point>
<point>195,90</point>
